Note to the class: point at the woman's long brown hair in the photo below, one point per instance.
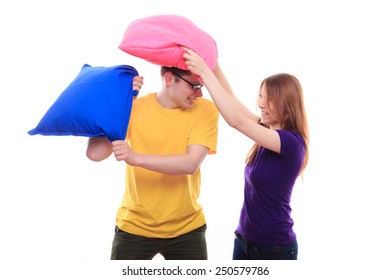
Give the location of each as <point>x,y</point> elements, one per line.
<point>286,94</point>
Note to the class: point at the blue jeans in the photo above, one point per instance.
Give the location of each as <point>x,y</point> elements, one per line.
<point>248,250</point>
<point>189,246</point>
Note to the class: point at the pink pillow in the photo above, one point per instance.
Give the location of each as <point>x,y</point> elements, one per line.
<point>157,39</point>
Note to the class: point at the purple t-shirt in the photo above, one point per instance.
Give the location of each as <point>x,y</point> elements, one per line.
<point>269,181</point>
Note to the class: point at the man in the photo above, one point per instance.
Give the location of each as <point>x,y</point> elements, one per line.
<point>169,135</point>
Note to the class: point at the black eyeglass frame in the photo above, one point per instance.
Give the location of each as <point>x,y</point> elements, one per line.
<point>194,86</point>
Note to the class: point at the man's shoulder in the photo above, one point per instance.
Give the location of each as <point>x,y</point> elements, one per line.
<point>206,103</point>
<point>143,97</point>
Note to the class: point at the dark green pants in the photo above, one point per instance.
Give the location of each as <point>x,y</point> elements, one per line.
<point>189,246</point>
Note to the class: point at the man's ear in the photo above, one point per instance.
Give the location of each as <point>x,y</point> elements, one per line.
<point>169,79</point>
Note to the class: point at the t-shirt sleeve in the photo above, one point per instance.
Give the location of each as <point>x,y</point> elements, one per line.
<point>291,144</point>
<point>205,130</point>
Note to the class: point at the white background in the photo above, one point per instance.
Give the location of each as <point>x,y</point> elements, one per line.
<point>58,208</point>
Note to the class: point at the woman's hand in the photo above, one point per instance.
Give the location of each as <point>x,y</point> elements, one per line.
<point>194,62</point>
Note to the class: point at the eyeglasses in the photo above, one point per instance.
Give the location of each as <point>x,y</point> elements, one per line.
<point>194,86</point>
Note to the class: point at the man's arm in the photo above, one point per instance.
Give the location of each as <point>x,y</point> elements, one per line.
<point>184,164</point>
<point>99,148</point>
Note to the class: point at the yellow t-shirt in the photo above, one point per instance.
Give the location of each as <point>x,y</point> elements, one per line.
<point>160,205</point>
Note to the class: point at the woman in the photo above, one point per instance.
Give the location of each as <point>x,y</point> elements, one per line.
<point>279,155</point>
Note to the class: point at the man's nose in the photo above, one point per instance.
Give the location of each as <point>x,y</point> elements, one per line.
<point>198,93</point>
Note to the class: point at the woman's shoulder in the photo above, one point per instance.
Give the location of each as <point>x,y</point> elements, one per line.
<point>293,135</point>
<point>291,140</point>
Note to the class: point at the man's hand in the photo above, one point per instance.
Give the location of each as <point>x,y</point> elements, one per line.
<point>138,81</point>
<point>122,151</point>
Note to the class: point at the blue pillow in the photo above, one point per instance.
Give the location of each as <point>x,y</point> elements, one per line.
<point>97,103</point>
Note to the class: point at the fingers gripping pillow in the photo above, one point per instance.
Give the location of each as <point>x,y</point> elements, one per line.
<point>97,103</point>
<point>157,39</point>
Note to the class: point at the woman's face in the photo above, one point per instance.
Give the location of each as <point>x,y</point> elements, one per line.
<point>268,111</point>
